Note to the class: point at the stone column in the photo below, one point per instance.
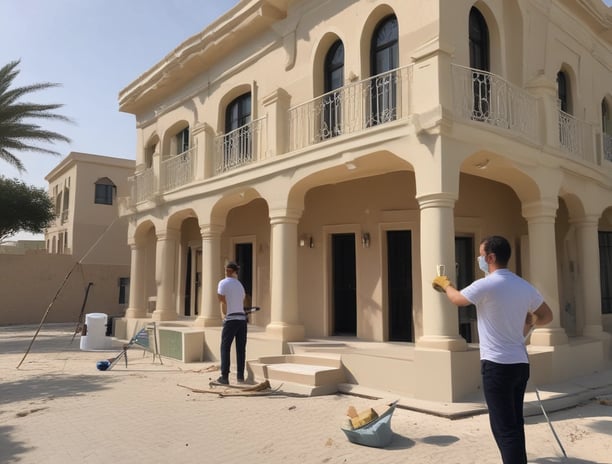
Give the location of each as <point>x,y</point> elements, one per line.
<point>166,275</point>
<point>589,275</point>
<point>212,272</point>
<point>138,305</point>
<point>203,136</point>
<point>440,317</point>
<point>284,318</point>
<point>541,217</point>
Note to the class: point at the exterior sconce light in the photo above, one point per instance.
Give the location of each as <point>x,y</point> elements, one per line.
<point>306,240</point>
<point>365,240</point>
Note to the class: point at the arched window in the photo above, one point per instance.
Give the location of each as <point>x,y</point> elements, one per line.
<point>563,91</point>
<point>384,51</point>
<point>237,142</point>
<point>479,41</point>
<point>334,79</point>
<point>238,112</point>
<point>182,141</point>
<point>480,61</point>
<point>105,190</point>
<point>606,130</point>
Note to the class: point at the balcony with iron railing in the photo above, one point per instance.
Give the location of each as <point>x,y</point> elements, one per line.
<point>607,146</point>
<point>484,97</point>
<point>241,146</point>
<point>480,97</point>
<point>350,109</point>
<point>178,170</point>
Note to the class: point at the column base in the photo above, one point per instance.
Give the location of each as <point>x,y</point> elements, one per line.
<point>164,315</point>
<point>549,337</point>
<point>285,332</point>
<point>203,321</point>
<point>135,313</point>
<point>441,342</point>
<point>446,376</point>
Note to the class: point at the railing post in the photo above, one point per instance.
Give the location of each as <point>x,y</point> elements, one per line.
<point>277,109</point>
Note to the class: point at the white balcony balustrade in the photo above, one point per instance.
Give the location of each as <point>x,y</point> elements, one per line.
<point>142,186</point>
<point>241,146</point>
<point>576,136</point>
<point>607,146</point>
<point>487,98</point>
<point>352,108</point>
<point>178,170</point>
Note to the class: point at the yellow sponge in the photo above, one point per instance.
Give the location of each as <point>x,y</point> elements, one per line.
<point>364,417</point>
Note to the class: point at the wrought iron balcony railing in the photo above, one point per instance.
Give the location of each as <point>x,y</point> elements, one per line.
<point>142,186</point>
<point>352,108</point>
<point>607,146</point>
<point>490,99</point>
<point>241,146</point>
<point>178,170</point>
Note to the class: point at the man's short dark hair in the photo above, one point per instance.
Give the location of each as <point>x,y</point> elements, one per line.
<point>232,265</point>
<point>499,246</point>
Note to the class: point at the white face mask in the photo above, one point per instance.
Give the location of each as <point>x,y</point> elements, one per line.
<point>482,264</point>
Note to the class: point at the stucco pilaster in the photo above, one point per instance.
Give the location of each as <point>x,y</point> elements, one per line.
<point>165,275</point>
<point>541,216</point>
<point>440,317</point>
<point>203,137</point>
<point>137,305</point>
<point>209,313</point>
<point>276,106</point>
<point>284,316</point>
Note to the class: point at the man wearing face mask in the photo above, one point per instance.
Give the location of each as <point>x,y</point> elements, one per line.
<point>507,307</point>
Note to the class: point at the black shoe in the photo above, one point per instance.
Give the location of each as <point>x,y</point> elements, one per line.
<point>223,380</point>
<point>240,379</point>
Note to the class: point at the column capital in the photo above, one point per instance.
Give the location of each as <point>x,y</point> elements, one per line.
<point>544,209</point>
<point>285,215</point>
<point>168,234</point>
<point>437,200</point>
<point>588,220</point>
<point>208,231</point>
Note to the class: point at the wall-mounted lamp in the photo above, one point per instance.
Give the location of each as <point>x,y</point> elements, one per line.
<point>306,240</point>
<point>365,240</point>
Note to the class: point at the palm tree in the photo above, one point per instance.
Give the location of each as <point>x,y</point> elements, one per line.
<point>17,131</point>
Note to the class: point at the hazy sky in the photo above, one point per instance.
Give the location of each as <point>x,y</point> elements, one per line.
<point>94,48</point>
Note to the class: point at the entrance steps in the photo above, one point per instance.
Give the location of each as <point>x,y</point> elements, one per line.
<point>313,374</point>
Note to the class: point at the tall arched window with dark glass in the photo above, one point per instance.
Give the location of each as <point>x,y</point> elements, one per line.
<point>606,129</point>
<point>563,92</point>
<point>480,63</point>
<point>237,144</point>
<point>331,104</point>
<point>384,60</point>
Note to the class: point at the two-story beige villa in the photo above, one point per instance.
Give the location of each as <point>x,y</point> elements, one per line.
<point>341,150</point>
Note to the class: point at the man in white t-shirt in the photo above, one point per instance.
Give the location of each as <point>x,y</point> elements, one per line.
<point>231,296</point>
<point>507,307</point>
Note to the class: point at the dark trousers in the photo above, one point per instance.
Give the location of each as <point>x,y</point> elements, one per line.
<point>233,329</point>
<point>504,389</point>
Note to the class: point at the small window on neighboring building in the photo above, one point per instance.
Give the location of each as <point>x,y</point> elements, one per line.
<point>124,290</point>
<point>105,190</point>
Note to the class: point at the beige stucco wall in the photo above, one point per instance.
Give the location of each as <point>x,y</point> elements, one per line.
<point>29,284</point>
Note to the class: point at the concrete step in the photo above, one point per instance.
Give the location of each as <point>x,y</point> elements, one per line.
<point>312,374</point>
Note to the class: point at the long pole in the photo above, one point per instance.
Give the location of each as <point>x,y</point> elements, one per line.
<point>61,288</point>
<point>550,423</point>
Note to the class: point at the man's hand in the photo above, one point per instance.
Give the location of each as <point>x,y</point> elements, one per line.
<point>440,283</point>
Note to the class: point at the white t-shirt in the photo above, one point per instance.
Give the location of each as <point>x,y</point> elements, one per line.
<point>502,301</point>
<point>234,293</point>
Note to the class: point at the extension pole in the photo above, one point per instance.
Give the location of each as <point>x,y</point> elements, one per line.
<point>61,287</point>
<point>550,423</point>
<point>47,312</point>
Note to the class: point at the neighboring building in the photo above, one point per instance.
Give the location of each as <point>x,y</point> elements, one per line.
<point>21,247</point>
<point>87,264</point>
<point>84,189</point>
<point>340,151</point>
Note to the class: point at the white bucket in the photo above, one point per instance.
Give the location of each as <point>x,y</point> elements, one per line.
<point>95,338</point>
